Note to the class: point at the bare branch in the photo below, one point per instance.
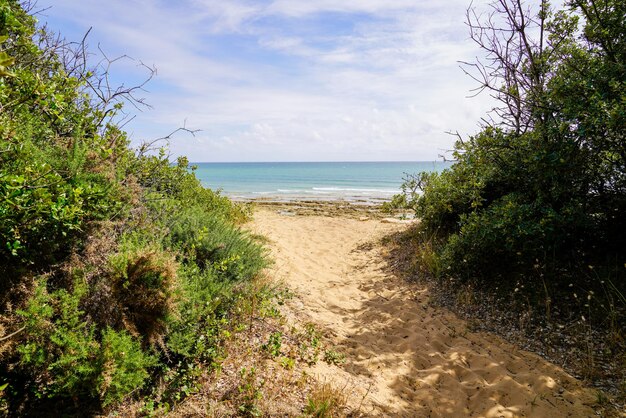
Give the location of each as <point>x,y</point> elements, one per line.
<point>512,68</point>
<point>94,71</point>
<point>13,334</point>
<point>151,145</point>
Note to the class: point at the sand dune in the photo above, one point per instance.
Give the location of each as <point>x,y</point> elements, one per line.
<point>405,358</point>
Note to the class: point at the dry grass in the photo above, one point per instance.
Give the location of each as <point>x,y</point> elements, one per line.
<point>248,381</point>
<point>326,401</point>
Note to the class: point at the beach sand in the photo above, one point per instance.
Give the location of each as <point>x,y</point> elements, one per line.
<point>403,357</point>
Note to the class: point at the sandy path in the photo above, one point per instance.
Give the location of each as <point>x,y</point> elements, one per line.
<point>410,359</point>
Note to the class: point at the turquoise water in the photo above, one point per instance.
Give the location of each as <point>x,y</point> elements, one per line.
<point>355,181</point>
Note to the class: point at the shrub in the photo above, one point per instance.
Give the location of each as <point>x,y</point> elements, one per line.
<point>144,287</point>
<point>214,244</point>
<point>177,183</point>
<point>58,348</point>
<point>56,171</point>
<point>195,331</point>
<point>535,196</point>
<point>124,366</point>
<point>68,182</point>
<point>66,357</point>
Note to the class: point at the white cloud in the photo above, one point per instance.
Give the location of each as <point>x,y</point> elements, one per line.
<point>295,80</point>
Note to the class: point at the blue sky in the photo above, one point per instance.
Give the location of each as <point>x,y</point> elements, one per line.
<point>290,80</point>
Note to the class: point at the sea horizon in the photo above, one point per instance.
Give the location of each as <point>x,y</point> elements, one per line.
<point>354,181</point>
<point>320,161</point>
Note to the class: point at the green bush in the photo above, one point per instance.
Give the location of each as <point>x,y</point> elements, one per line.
<point>144,286</point>
<point>46,205</point>
<point>56,171</point>
<point>118,264</point>
<point>66,357</point>
<point>195,331</point>
<point>59,349</point>
<point>177,184</point>
<point>215,244</point>
<point>124,366</point>
<point>536,198</point>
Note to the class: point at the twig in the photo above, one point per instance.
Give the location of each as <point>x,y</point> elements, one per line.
<point>6,337</point>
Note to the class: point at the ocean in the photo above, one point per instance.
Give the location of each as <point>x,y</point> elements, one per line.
<point>287,181</point>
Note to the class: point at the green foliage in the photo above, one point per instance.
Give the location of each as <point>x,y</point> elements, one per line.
<point>142,264</point>
<point>58,345</point>
<point>550,195</point>
<point>55,171</point>
<point>332,356</point>
<point>538,197</point>
<point>177,183</point>
<point>124,366</point>
<point>3,402</point>
<point>287,362</point>
<point>273,345</point>
<point>195,333</point>
<point>250,393</point>
<point>408,196</point>
<point>65,355</point>
<point>214,244</point>
<point>310,344</point>
<point>181,381</point>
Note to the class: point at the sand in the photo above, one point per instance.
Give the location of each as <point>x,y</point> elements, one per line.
<point>403,357</point>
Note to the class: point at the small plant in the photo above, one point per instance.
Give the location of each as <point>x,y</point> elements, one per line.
<point>250,393</point>
<point>310,345</point>
<point>181,380</point>
<point>268,309</point>
<point>332,356</point>
<point>282,294</point>
<point>287,362</point>
<point>273,345</point>
<point>3,403</point>
<point>325,401</point>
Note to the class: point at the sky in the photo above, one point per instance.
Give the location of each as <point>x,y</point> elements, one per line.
<point>289,80</point>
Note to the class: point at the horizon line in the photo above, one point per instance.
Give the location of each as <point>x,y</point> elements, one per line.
<point>337,161</point>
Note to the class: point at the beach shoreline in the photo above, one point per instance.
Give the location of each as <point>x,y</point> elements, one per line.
<point>330,208</point>
<point>278,198</point>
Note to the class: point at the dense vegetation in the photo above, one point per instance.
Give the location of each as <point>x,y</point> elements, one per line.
<point>534,205</point>
<point>118,269</point>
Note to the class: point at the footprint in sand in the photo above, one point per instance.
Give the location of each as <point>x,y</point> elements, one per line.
<point>400,352</point>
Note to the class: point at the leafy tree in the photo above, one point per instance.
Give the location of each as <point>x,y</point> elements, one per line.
<point>539,193</point>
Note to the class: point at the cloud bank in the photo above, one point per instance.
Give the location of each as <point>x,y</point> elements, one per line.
<point>292,80</point>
